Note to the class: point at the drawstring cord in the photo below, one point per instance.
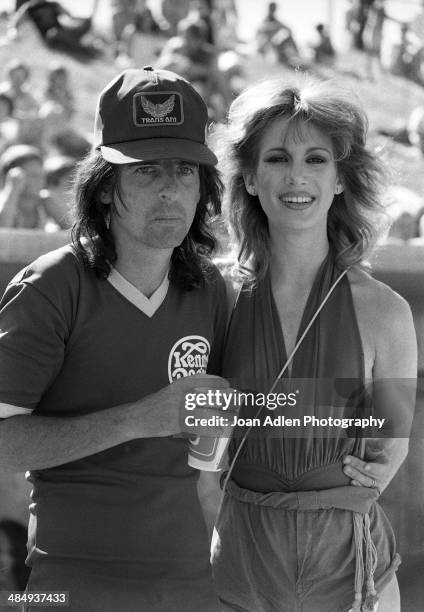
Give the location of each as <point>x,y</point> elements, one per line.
<point>364,571</point>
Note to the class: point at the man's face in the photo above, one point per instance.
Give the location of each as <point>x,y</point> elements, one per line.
<point>155,203</point>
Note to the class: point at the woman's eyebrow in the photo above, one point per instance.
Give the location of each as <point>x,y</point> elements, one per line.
<point>309,150</point>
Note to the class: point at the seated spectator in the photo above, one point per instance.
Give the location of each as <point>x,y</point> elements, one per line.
<point>268,28</point>
<point>286,49</point>
<point>58,28</point>
<point>21,203</point>
<point>173,12</point>
<point>59,172</point>
<point>25,105</point>
<point>189,55</point>
<point>17,87</point>
<point>58,91</point>
<point>13,571</point>
<point>324,50</point>
<point>123,14</point>
<point>8,125</point>
<point>226,20</point>
<point>200,11</point>
<point>139,42</point>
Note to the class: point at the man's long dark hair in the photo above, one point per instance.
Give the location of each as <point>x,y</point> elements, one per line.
<point>94,241</point>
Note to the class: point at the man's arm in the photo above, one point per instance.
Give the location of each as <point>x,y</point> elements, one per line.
<point>395,372</point>
<point>31,442</point>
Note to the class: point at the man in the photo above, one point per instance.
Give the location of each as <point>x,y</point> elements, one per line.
<point>100,342</point>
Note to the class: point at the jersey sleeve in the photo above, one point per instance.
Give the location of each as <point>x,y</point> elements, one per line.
<point>35,323</point>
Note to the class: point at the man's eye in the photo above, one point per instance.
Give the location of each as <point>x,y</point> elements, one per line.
<point>145,169</point>
<point>186,170</point>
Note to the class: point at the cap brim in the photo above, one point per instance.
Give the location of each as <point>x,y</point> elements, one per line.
<point>158,148</point>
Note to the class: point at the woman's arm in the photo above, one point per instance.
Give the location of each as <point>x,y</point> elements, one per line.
<point>394,390</point>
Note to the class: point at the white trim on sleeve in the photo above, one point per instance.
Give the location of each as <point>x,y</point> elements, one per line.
<point>8,410</point>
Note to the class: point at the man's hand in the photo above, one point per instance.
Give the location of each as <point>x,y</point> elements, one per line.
<point>167,411</point>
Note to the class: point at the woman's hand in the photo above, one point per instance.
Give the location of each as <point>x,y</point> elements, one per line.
<point>375,474</point>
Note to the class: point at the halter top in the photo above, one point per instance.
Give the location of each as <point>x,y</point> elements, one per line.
<point>327,380</point>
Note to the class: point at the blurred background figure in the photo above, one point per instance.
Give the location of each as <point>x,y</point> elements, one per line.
<point>58,27</point>
<point>13,571</point>
<point>58,92</point>
<point>8,125</point>
<point>141,39</point>
<point>404,208</point>
<point>18,87</point>
<point>123,14</point>
<point>174,11</point>
<point>268,27</point>
<point>190,55</point>
<point>59,172</point>
<point>23,204</point>
<point>324,52</point>
<point>276,37</point>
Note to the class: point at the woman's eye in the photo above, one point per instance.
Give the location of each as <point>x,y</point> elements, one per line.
<point>277,159</point>
<point>316,159</point>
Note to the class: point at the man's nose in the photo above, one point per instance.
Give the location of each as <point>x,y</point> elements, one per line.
<point>168,187</point>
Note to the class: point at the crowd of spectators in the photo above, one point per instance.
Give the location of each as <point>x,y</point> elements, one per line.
<point>38,148</point>
<point>39,143</point>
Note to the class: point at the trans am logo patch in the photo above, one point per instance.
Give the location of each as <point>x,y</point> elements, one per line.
<point>158,109</point>
<point>188,356</point>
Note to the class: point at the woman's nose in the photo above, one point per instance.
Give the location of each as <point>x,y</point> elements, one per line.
<point>296,174</point>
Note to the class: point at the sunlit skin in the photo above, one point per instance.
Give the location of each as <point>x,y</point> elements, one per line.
<point>295,177</point>
<point>155,203</point>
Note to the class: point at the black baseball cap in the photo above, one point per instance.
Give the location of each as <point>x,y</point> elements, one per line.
<point>151,114</point>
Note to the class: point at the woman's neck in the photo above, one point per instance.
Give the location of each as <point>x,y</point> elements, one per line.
<point>296,257</point>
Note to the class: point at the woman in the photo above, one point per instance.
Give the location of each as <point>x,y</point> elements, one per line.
<point>292,534</point>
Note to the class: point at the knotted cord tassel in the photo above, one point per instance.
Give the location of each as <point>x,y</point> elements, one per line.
<point>371,597</point>
<point>358,537</point>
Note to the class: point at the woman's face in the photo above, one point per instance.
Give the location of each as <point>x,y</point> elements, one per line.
<point>295,177</point>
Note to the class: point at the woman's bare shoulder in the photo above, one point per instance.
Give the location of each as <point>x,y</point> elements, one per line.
<point>375,301</point>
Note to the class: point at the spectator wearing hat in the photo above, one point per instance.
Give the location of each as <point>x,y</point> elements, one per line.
<point>101,340</point>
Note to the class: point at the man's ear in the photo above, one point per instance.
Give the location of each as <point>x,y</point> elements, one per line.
<point>249,183</point>
<point>106,195</point>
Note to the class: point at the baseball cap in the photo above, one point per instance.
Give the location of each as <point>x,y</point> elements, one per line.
<point>151,114</point>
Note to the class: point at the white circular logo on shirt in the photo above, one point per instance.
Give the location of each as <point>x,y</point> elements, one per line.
<point>188,356</point>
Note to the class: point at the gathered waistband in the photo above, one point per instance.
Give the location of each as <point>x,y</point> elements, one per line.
<point>354,499</point>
